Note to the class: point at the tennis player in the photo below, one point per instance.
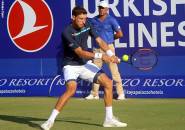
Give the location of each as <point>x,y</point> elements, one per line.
<point>77,64</point>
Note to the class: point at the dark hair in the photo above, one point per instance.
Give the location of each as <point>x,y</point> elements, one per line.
<point>78,10</point>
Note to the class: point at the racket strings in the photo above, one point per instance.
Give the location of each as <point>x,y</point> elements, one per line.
<point>144,59</point>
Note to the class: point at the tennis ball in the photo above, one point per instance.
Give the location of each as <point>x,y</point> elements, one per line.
<point>125,57</point>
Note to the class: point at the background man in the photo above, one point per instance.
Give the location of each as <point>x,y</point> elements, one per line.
<point>105,25</point>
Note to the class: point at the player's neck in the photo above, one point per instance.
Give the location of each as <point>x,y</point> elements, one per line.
<point>75,26</point>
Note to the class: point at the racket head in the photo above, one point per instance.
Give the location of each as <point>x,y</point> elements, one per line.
<point>144,59</point>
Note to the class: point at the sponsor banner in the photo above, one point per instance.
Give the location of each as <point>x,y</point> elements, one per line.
<point>149,87</point>
<point>30,45</point>
<point>32,28</point>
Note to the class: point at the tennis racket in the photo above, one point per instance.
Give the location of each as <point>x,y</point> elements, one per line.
<point>142,59</point>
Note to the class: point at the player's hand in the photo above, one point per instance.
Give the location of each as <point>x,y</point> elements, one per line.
<point>112,59</point>
<point>115,59</point>
<point>106,58</point>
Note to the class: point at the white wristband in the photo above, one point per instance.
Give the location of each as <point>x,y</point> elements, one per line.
<point>109,53</point>
<point>98,55</point>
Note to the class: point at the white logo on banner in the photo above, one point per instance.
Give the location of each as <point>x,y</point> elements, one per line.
<point>30,19</point>
<point>32,29</point>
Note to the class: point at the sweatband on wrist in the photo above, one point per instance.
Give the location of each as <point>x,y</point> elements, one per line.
<point>109,53</point>
<point>98,55</point>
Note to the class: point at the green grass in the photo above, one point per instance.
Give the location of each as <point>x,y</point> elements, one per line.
<point>79,114</point>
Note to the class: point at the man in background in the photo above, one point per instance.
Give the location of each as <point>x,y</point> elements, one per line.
<point>108,29</point>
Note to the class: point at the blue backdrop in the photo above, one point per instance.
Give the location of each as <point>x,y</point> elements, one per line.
<point>30,46</point>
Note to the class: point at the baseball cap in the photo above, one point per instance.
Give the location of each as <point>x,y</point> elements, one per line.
<point>103,4</point>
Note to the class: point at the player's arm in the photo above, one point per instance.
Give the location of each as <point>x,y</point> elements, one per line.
<point>84,54</point>
<point>89,55</point>
<point>93,32</point>
<point>103,45</point>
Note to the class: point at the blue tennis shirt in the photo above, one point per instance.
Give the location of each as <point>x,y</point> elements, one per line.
<point>106,28</point>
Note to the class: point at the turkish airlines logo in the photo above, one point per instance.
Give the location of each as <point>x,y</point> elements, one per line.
<point>30,24</point>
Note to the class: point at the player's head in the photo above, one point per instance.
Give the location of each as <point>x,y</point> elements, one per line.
<point>103,8</point>
<point>79,16</point>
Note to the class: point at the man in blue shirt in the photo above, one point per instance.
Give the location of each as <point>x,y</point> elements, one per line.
<point>106,25</point>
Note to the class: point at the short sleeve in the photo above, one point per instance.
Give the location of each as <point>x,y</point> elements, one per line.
<point>115,25</point>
